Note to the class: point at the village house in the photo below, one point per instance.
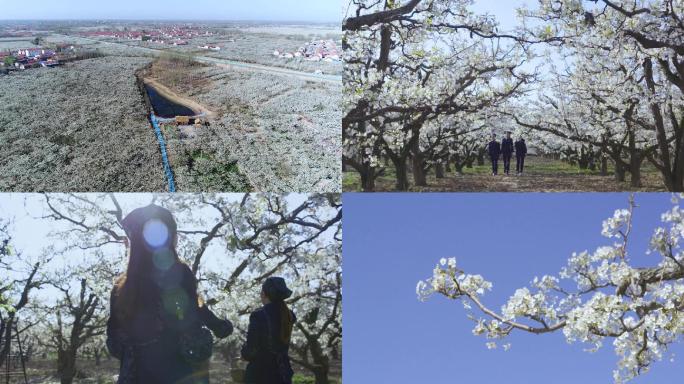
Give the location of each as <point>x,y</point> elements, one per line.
<point>321,50</point>
<point>172,34</point>
<point>33,58</point>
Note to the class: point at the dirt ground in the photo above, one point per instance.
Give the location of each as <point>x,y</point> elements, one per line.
<point>541,175</point>
<point>42,372</point>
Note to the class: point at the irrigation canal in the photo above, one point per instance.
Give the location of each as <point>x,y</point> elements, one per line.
<point>164,107</point>
<point>165,157</point>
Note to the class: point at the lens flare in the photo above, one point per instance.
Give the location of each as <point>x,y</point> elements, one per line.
<point>155,233</point>
<point>163,259</point>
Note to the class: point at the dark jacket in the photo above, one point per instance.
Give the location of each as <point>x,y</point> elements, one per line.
<point>507,146</point>
<point>148,344</point>
<point>520,147</point>
<point>262,367</point>
<point>494,149</point>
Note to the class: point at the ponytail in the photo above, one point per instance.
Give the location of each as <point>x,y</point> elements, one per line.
<point>286,322</point>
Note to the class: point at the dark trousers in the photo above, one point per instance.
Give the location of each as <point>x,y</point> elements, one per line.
<point>507,162</point>
<point>519,163</point>
<point>495,164</point>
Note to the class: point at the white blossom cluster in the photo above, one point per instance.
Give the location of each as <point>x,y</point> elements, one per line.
<point>597,297</point>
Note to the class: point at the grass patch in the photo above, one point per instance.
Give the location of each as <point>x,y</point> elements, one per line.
<point>207,173</point>
<point>179,72</point>
<point>298,378</point>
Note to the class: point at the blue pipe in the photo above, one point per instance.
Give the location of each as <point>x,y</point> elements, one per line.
<point>165,158</point>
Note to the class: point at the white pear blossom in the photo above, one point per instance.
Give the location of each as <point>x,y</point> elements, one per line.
<point>597,297</point>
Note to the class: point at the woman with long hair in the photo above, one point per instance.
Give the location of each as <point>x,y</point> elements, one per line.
<point>156,323</point>
<point>268,336</point>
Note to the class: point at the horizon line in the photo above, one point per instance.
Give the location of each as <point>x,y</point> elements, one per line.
<point>216,20</point>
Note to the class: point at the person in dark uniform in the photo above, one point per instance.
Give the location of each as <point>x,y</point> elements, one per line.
<point>507,151</point>
<point>494,150</point>
<point>268,336</point>
<point>154,304</point>
<point>520,153</point>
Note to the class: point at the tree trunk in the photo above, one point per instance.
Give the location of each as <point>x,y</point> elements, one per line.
<point>366,172</point>
<point>592,163</point>
<point>481,158</point>
<point>469,163</point>
<point>604,166</point>
<point>661,134</point>
<point>439,170</point>
<point>402,175</point>
<point>7,326</point>
<point>635,169</point>
<point>459,167</point>
<point>582,159</point>
<point>66,366</point>
<point>321,375</point>
<point>368,178</point>
<point>619,172</point>
<point>419,177</point>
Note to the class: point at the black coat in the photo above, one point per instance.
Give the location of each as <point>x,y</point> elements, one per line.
<point>507,146</point>
<point>262,367</point>
<point>494,149</point>
<point>520,147</point>
<point>148,344</point>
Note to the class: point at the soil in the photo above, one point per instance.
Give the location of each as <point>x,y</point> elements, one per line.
<point>541,175</point>
<point>41,371</point>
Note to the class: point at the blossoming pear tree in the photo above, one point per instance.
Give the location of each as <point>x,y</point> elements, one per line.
<point>598,297</point>
<point>596,83</point>
<point>623,80</point>
<point>232,243</point>
<point>408,65</point>
<point>17,286</point>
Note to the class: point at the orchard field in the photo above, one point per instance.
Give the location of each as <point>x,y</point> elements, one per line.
<point>84,126</point>
<point>428,82</point>
<point>59,256</point>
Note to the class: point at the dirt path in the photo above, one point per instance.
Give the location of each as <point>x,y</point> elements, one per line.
<point>541,175</point>
<point>547,175</point>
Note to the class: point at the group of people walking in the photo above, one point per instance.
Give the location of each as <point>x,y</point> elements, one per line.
<point>506,148</point>
<point>163,333</point>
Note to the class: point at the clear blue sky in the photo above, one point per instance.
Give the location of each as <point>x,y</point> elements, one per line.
<point>271,10</point>
<point>503,10</point>
<point>393,240</point>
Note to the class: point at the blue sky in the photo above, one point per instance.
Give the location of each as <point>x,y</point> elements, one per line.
<point>503,10</point>
<point>393,240</point>
<point>270,10</point>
